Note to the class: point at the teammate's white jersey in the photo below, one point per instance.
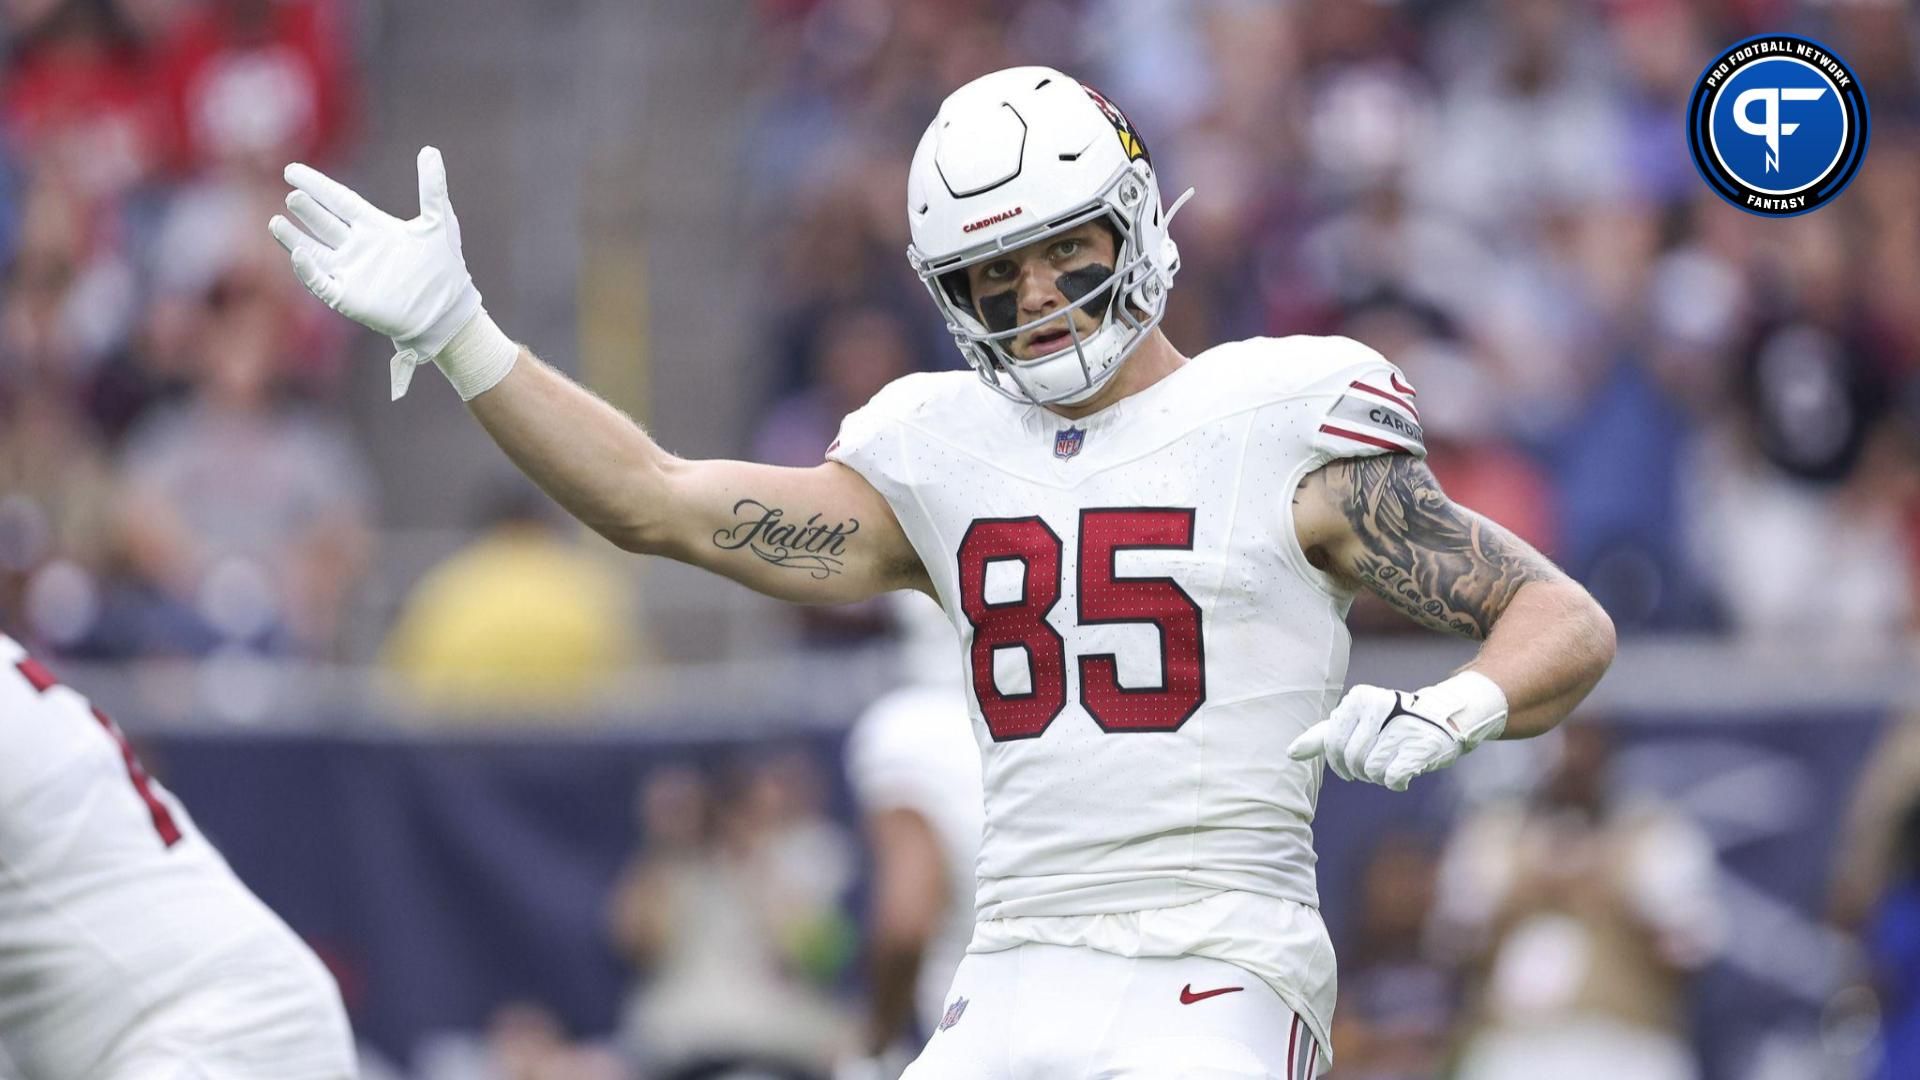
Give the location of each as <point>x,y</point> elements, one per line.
<point>1143,637</point>
<point>912,750</point>
<point>117,918</point>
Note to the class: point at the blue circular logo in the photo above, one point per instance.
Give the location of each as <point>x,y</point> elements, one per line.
<point>1778,125</point>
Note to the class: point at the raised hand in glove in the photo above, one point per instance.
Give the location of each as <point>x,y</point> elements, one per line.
<point>405,279</point>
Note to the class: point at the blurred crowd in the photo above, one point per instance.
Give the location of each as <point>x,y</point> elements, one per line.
<point>736,918</point>
<point>1710,418</point>
<point>1552,934</point>
<point>175,476</point>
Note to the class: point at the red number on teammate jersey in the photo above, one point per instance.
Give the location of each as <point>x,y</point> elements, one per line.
<point>1104,598</point>
<point>42,680</point>
<point>1020,623</point>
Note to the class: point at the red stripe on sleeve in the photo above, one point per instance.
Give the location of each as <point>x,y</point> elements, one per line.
<point>39,677</point>
<point>1370,440</point>
<point>1383,395</point>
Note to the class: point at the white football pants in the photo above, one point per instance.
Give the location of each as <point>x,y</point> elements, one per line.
<point>1052,1012</point>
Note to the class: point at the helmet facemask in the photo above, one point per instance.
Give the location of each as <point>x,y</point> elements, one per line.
<point>1129,301</point>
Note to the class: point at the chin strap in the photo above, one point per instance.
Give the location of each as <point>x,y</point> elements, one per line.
<point>1177,204</point>
<point>1032,375</point>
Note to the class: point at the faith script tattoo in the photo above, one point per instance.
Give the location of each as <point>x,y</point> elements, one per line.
<point>1440,563</point>
<point>813,546</point>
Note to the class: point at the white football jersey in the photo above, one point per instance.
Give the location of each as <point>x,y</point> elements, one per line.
<point>111,902</point>
<point>1141,634</point>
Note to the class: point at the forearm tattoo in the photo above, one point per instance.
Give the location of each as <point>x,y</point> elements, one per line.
<point>814,546</point>
<point>1444,565</point>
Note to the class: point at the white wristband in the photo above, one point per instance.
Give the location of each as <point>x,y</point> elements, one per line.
<point>1472,704</point>
<point>474,360</point>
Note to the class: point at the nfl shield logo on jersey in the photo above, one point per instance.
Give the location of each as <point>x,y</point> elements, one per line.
<point>1067,443</point>
<point>954,1012</point>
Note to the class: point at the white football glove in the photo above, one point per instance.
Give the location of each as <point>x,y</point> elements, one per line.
<point>1388,737</point>
<point>405,279</point>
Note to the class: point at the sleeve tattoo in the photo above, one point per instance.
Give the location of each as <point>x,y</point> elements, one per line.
<point>1443,565</point>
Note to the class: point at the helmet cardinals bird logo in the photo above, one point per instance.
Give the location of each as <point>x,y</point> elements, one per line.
<point>1130,140</point>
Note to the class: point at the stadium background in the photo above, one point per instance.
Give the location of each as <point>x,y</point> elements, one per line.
<point>435,727</point>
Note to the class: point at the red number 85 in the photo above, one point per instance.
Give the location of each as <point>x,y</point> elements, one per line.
<point>1103,598</point>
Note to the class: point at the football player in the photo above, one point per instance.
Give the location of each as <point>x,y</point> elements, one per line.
<point>1147,556</point>
<point>128,949</point>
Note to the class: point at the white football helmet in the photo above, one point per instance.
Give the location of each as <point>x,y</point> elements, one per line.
<point>1018,156</point>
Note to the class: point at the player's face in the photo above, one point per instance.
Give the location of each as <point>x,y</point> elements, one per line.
<point>1046,275</point>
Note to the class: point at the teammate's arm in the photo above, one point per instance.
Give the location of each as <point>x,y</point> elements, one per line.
<point>820,535</point>
<point>1384,523</point>
<point>910,893</point>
